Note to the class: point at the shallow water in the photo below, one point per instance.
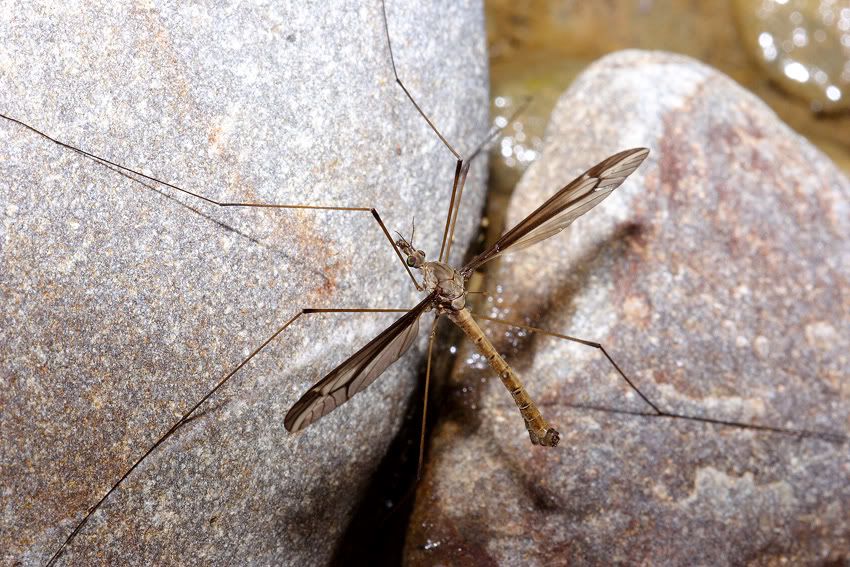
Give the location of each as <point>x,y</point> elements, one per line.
<point>793,54</point>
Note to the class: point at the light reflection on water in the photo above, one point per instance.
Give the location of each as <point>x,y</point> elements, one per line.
<point>795,54</point>
<point>804,45</point>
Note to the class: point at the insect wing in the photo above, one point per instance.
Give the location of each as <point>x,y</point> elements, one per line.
<point>360,370</point>
<point>565,206</point>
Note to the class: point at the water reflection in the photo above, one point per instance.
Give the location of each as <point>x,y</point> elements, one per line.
<point>803,45</point>
<point>516,148</point>
<point>794,54</point>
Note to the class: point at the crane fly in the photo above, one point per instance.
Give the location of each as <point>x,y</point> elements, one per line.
<point>444,286</point>
<point>446,289</point>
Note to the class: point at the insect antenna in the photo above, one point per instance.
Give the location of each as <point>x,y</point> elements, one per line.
<point>403,240</point>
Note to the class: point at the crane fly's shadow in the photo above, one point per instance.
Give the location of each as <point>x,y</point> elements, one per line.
<point>537,310</point>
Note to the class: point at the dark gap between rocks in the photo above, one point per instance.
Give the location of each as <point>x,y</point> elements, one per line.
<point>378,528</point>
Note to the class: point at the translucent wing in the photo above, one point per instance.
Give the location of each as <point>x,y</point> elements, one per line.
<point>360,370</point>
<point>565,206</point>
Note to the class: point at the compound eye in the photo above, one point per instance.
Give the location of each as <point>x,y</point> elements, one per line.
<point>411,261</point>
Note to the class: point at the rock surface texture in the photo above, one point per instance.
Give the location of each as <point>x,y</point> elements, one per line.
<point>123,304</point>
<point>717,277</point>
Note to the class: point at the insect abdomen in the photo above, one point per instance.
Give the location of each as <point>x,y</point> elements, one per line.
<point>539,430</point>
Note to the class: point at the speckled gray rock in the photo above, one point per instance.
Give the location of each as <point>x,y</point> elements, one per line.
<point>718,278</point>
<point>123,305</point>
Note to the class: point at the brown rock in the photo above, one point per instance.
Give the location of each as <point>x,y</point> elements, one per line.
<point>717,277</point>
<point>120,306</point>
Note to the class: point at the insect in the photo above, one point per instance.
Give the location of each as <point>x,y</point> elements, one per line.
<point>446,289</point>
<point>303,413</point>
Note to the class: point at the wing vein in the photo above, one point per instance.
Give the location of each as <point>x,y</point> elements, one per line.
<point>357,371</point>
<point>565,206</point>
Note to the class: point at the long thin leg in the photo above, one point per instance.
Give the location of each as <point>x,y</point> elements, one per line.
<point>458,157</point>
<point>460,182</point>
<point>431,337</point>
<point>406,92</point>
<point>461,166</point>
<point>656,410</point>
<point>178,202</point>
<point>493,133</point>
<point>496,130</point>
<point>460,179</point>
<point>189,414</point>
<point>130,173</point>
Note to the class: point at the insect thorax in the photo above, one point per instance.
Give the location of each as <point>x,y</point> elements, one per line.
<point>448,283</point>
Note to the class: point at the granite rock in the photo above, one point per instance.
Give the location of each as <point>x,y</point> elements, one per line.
<point>123,304</point>
<point>717,277</point>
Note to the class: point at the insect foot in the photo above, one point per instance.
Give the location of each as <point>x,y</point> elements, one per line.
<point>550,439</point>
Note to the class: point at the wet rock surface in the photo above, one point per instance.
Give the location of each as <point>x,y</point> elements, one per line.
<point>123,304</point>
<point>717,278</point>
